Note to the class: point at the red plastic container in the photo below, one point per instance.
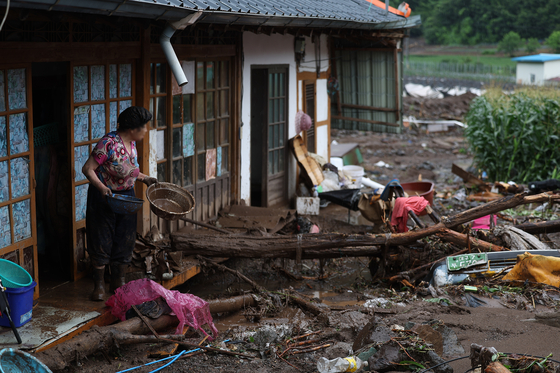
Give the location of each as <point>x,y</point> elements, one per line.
<point>420,188</point>
<point>21,305</point>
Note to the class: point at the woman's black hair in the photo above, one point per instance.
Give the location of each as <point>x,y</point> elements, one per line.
<point>134,117</point>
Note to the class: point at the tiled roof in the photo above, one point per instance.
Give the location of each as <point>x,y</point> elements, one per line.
<point>341,10</point>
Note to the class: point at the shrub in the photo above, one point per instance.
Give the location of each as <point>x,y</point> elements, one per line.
<point>515,137</point>
<point>553,41</point>
<point>532,45</point>
<point>510,43</point>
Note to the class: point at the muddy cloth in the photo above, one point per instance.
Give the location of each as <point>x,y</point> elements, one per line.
<point>189,309</point>
<point>536,268</point>
<point>110,237</point>
<point>402,207</point>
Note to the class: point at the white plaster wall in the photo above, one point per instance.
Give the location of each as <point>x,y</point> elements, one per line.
<point>322,134</point>
<point>309,61</point>
<point>266,50</point>
<point>551,69</point>
<point>322,101</point>
<point>524,71</point>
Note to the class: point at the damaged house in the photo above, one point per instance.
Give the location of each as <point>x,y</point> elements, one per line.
<point>68,68</point>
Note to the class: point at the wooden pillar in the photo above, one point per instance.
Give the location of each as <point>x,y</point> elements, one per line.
<point>143,147</point>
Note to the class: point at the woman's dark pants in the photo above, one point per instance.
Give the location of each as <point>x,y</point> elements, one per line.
<point>110,237</point>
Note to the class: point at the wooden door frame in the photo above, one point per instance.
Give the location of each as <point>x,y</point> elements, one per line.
<point>31,241</point>
<point>264,149</point>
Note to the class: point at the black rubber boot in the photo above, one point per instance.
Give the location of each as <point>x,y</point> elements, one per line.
<point>98,293</point>
<point>118,272</point>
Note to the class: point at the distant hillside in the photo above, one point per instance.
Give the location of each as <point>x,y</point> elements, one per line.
<point>484,21</point>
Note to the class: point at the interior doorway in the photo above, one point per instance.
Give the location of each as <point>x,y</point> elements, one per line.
<point>269,136</point>
<point>52,169</point>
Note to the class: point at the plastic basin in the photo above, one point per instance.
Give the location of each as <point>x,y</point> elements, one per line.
<point>420,188</point>
<point>13,276</point>
<point>16,361</point>
<point>123,204</point>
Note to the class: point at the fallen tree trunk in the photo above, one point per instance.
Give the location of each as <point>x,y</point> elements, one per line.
<point>552,226</point>
<point>231,304</point>
<point>314,246</point>
<point>99,339</point>
<point>463,240</point>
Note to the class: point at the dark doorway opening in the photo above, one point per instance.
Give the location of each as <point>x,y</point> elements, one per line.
<point>52,169</point>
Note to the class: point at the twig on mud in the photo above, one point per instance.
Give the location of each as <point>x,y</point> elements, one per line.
<point>311,349</point>
<point>306,335</point>
<point>287,362</point>
<point>404,349</point>
<point>226,352</point>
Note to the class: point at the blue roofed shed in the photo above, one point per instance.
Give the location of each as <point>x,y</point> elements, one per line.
<point>537,69</point>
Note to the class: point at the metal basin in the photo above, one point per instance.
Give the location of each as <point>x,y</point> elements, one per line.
<point>168,201</point>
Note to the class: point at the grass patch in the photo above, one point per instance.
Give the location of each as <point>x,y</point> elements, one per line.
<point>470,59</point>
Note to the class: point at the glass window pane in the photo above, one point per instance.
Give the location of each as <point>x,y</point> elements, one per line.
<point>270,111</point>
<point>224,103</point>
<point>97,83</point>
<point>162,172</point>
<point>200,76</point>
<point>5,228</point>
<point>276,114</point>
<point>98,119</point>
<point>224,132</point>
<point>2,98</point>
<point>281,160</point>
<point>4,192</point>
<point>210,135</point>
<point>224,74</point>
<point>161,143</point>
<point>270,86</point>
<point>281,84</point>
<point>177,142</point>
<point>200,131</point>
<point>276,134</point>
<point>125,80</point>
<point>225,159</point>
<point>209,75</point>
<point>270,163</point>
<point>209,105</point>
<point>160,77</point>
<point>177,168</point>
<point>275,85</point>
<point>113,81</point>
<point>201,166</point>
<point>152,78</point>
<point>270,137</point>
<point>151,110</point>
<point>80,85</point>
<point>19,139</point>
<point>280,109</point>
<point>187,109</point>
<point>19,168</point>
<point>177,109</point>
<point>200,106</point>
<point>281,134</point>
<point>161,112</point>
<point>22,219</point>
<point>188,171</point>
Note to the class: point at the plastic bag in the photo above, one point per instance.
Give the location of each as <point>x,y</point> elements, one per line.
<point>188,308</point>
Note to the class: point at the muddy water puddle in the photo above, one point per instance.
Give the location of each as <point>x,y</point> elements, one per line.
<point>237,319</point>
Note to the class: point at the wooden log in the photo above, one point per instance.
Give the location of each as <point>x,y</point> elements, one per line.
<point>460,239</point>
<point>551,226</point>
<point>231,304</point>
<point>100,339</point>
<point>335,245</point>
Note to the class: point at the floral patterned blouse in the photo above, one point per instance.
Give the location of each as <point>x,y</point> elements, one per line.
<point>117,169</point>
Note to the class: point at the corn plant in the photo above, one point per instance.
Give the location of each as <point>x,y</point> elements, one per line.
<point>515,137</point>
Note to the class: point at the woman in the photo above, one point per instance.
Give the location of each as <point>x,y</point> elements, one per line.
<point>112,167</point>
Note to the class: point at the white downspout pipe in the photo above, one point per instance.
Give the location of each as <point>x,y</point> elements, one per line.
<point>165,42</point>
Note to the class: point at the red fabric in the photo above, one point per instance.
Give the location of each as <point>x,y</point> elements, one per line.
<point>401,209</point>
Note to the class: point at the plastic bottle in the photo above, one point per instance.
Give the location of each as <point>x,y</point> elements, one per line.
<point>338,365</point>
<point>315,192</point>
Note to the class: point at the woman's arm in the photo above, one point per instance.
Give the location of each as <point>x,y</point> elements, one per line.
<point>89,170</point>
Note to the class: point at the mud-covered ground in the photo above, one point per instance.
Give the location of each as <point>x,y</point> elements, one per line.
<point>507,322</point>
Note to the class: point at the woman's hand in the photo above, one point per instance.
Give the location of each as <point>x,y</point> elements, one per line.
<point>149,180</point>
<point>105,191</point>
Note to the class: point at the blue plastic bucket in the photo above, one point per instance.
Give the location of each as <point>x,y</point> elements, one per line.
<point>21,305</point>
<point>16,361</point>
<point>13,276</point>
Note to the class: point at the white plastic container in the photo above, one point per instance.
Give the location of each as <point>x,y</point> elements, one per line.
<point>337,161</point>
<point>355,173</point>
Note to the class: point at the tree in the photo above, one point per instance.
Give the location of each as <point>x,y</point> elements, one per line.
<point>553,41</point>
<point>532,45</point>
<point>510,43</point>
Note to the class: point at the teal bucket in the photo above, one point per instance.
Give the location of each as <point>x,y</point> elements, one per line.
<point>16,361</point>
<point>14,276</point>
